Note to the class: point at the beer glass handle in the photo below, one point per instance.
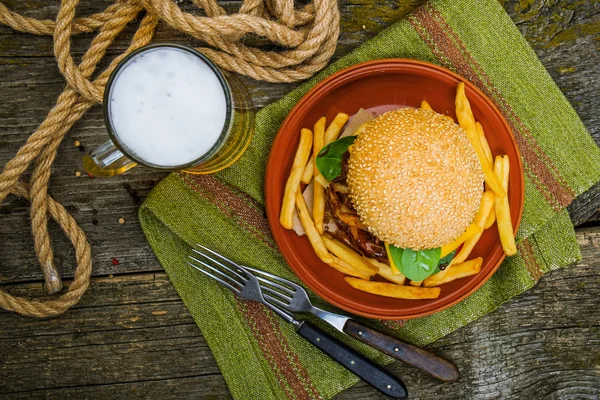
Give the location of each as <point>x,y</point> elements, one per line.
<point>107,160</point>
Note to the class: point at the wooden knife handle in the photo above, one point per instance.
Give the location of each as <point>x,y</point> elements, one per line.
<point>365,369</point>
<point>422,359</point>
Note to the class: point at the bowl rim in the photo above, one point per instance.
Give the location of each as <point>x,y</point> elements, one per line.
<point>314,94</point>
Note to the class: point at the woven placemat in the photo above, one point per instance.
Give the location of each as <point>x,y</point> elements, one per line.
<point>259,355</point>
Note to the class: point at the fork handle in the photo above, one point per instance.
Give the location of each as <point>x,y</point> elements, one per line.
<point>422,359</point>
<point>356,363</point>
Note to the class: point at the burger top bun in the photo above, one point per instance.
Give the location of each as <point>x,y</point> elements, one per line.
<point>414,179</point>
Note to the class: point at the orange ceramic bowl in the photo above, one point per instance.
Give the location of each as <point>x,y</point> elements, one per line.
<point>392,82</point>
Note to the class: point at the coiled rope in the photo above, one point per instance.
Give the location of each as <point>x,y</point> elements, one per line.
<point>308,36</point>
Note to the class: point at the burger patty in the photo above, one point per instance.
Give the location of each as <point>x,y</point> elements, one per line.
<point>343,223</point>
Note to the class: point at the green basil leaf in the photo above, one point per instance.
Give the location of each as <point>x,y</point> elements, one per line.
<point>418,265</point>
<point>445,260</point>
<point>329,159</point>
<point>396,253</point>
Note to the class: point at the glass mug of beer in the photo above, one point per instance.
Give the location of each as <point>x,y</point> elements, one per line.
<point>170,108</point>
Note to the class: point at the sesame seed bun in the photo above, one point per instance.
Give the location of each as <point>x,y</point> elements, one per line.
<point>414,179</point>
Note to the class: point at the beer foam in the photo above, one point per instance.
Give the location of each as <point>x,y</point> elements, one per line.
<point>167,107</point>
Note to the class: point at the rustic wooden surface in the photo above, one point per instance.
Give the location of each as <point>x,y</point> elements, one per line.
<point>132,337</point>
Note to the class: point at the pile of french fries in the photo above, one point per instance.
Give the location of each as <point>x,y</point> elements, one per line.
<point>359,269</point>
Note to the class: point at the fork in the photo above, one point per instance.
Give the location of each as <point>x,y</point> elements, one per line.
<point>246,286</point>
<point>292,297</point>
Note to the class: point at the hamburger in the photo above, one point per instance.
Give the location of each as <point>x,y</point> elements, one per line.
<point>410,179</point>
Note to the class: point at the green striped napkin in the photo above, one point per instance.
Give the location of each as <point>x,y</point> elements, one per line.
<point>259,355</point>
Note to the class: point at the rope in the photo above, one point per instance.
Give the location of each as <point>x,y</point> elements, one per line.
<point>307,37</point>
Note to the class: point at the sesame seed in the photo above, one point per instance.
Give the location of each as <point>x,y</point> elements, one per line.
<point>414,178</point>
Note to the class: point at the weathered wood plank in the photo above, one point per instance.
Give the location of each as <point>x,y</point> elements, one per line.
<point>131,336</point>
<point>565,34</point>
<point>120,342</point>
<point>30,83</point>
<point>131,321</point>
<point>209,387</point>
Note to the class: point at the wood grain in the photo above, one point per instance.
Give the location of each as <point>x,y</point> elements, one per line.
<point>131,336</point>
<point>431,363</point>
<point>30,83</point>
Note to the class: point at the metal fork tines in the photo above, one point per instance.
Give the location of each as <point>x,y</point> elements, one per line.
<point>292,297</point>
<point>234,277</point>
<point>245,285</point>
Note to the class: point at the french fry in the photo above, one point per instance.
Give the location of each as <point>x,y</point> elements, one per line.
<point>307,175</point>
<point>318,210</point>
<point>308,199</point>
<point>488,154</point>
<point>487,203</point>
<point>457,271</point>
<point>485,146</point>
<point>491,219</point>
<point>309,227</point>
<point>319,138</point>
<point>386,272</point>
<point>331,134</point>
<point>322,181</point>
<point>344,252</point>
<point>393,290</point>
<point>348,269</point>
<point>335,128</point>
<point>415,283</point>
<point>472,230</point>
<point>425,106</point>
<point>293,183</point>
<point>467,122</point>
<point>504,222</point>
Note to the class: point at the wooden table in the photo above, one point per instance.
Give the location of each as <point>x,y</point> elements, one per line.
<point>131,336</point>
